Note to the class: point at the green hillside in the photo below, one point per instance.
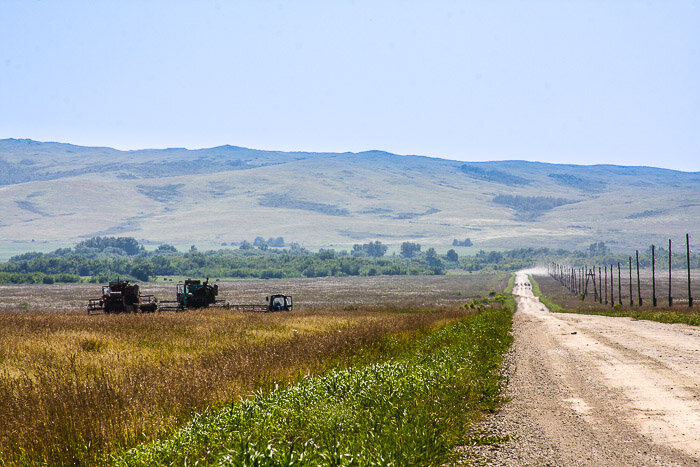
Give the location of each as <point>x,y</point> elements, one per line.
<point>57,194</point>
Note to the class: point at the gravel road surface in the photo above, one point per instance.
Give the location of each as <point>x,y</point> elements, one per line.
<point>595,390</point>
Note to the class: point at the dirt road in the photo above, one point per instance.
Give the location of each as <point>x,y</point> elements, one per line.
<point>594,390</point>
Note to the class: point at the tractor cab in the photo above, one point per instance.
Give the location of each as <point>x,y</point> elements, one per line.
<point>279,302</point>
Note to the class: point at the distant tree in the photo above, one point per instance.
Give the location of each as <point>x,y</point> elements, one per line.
<point>259,241</point>
<point>245,245</point>
<point>372,249</point>
<point>434,262</point>
<point>165,248</point>
<point>130,246</point>
<point>452,256</point>
<point>276,242</point>
<point>494,257</point>
<point>357,250</point>
<point>598,249</point>
<point>326,254</point>
<point>465,242</point>
<point>409,250</point>
<point>142,271</point>
<point>432,258</point>
<point>375,249</point>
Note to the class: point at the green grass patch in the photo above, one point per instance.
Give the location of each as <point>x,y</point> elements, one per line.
<point>544,300</point>
<point>689,317</point>
<point>511,283</point>
<point>408,410</point>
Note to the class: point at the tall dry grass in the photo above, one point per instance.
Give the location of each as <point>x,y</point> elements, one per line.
<point>73,387</point>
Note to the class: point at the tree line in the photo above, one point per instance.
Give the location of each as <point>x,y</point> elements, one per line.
<point>101,259</point>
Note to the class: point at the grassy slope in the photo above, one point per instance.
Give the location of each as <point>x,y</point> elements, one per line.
<point>390,198</point>
<point>691,317</point>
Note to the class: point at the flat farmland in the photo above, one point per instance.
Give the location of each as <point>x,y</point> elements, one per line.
<point>374,292</point>
<point>74,387</point>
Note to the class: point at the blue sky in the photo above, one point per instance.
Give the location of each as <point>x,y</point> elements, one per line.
<point>582,82</point>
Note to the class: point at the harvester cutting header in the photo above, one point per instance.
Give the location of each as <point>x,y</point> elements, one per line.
<point>122,297</point>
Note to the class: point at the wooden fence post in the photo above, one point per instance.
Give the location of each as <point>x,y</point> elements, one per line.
<point>687,249</point>
<point>600,286</point>
<point>606,284</point>
<point>612,287</point>
<point>580,281</point>
<point>595,287</point>
<point>653,277</point>
<point>631,300</point>
<point>670,279</point>
<point>619,284</point>
<point>639,288</point>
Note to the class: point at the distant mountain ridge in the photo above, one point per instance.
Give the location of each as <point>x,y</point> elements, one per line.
<point>61,193</point>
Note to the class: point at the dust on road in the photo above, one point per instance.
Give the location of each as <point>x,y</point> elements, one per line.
<point>595,390</point>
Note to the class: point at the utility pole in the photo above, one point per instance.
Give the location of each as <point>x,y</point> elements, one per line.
<point>612,287</point>
<point>595,288</point>
<point>631,300</point>
<point>606,284</point>
<point>619,284</point>
<point>687,249</point>
<point>639,288</point>
<point>653,278</point>
<point>670,279</point>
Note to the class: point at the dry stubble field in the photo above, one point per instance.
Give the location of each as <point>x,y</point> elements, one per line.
<point>73,386</point>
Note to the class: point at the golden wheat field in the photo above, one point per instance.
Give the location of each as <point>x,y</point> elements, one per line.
<point>73,386</point>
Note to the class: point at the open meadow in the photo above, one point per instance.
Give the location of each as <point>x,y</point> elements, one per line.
<point>75,387</point>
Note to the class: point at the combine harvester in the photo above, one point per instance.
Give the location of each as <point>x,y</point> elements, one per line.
<point>122,297</point>
<point>193,294</point>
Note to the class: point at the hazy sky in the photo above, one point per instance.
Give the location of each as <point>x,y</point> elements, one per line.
<point>581,82</point>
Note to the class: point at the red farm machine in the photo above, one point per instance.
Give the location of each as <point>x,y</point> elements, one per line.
<point>122,297</point>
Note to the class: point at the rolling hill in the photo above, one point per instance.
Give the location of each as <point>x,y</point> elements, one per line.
<point>58,194</point>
